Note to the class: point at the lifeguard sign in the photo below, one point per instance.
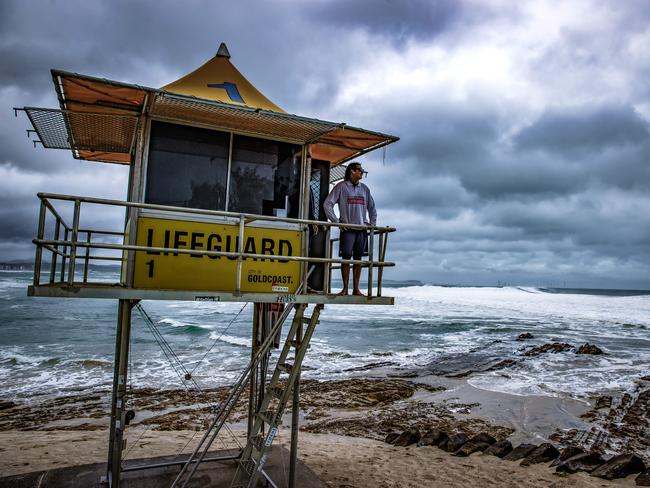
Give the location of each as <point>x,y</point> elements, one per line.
<point>223,185</point>
<point>171,270</point>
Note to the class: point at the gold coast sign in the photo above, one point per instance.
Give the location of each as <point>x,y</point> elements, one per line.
<point>194,271</point>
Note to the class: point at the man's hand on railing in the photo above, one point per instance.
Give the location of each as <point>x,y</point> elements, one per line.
<point>315,228</point>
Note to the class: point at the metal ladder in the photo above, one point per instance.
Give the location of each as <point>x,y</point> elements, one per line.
<point>191,465</point>
<point>277,394</point>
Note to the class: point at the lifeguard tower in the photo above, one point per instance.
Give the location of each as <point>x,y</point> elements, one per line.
<point>225,196</point>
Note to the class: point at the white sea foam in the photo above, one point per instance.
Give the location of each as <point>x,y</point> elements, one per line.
<point>426,324</point>
<point>229,339</point>
<point>173,322</point>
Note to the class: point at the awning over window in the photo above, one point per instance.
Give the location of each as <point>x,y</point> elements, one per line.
<point>98,119</point>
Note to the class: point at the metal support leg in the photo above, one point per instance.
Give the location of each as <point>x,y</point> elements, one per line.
<point>252,393</point>
<point>118,407</point>
<point>295,421</point>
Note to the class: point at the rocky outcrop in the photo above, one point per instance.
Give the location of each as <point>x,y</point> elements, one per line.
<point>589,349</point>
<point>566,453</point>
<point>408,437</point>
<point>519,452</point>
<point>643,479</point>
<point>524,336</point>
<point>543,453</point>
<point>554,347</point>
<point>6,405</point>
<point>454,442</point>
<point>586,461</point>
<point>620,466</point>
<point>483,437</point>
<point>478,443</point>
<point>470,447</point>
<point>603,401</point>
<point>433,437</point>
<point>391,437</point>
<point>366,367</point>
<point>499,449</point>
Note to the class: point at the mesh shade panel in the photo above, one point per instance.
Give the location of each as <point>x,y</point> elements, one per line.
<point>280,126</point>
<point>79,131</point>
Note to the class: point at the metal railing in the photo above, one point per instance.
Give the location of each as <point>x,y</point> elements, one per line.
<point>67,240</point>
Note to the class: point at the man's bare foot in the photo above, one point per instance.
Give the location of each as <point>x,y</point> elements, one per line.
<point>358,293</point>
<point>343,292</point>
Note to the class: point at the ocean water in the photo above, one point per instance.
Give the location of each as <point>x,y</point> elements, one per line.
<point>64,346</point>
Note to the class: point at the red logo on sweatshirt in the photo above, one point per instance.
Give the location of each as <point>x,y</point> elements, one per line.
<point>356,201</point>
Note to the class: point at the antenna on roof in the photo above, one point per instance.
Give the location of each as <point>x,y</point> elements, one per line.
<point>223,51</point>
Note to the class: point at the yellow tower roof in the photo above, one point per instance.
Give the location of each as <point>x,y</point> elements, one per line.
<point>219,80</point>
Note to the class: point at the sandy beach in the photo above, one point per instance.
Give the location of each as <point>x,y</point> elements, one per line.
<point>340,461</point>
<point>343,428</point>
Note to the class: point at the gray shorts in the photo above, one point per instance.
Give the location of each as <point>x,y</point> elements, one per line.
<point>353,243</point>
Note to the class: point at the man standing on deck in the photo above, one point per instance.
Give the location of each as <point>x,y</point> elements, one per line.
<point>355,202</point>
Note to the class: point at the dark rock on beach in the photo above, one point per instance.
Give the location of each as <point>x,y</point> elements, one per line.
<point>462,365</point>
<point>391,437</point>
<point>470,447</point>
<point>433,438</point>
<point>454,442</point>
<point>586,461</point>
<point>541,454</point>
<point>408,437</point>
<point>643,479</point>
<point>524,336</point>
<point>566,453</point>
<point>554,347</point>
<point>519,452</point>
<point>620,466</point>
<point>4,405</point>
<point>404,374</point>
<point>366,367</point>
<point>589,349</point>
<point>604,401</point>
<point>483,437</point>
<point>499,449</point>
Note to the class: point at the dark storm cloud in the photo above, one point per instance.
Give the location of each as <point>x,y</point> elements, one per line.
<point>584,129</point>
<point>400,20</point>
<point>559,153</point>
<point>445,136</point>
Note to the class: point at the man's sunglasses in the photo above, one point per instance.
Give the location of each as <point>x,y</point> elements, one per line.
<point>363,171</point>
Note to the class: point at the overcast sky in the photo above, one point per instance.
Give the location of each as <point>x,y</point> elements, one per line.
<point>524,154</point>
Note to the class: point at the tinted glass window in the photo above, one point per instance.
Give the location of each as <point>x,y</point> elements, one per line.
<point>187,167</point>
<point>264,177</point>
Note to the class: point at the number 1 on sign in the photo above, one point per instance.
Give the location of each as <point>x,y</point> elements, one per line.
<point>150,266</point>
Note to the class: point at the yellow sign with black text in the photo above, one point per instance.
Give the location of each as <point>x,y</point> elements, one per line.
<point>181,271</point>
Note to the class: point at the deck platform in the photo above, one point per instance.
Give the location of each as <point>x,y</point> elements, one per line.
<point>117,291</point>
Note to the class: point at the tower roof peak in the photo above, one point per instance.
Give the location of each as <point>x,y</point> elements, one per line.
<point>223,52</point>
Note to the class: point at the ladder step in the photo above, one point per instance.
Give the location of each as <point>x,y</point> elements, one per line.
<point>275,391</point>
<point>257,442</point>
<point>268,417</point>
<point>248,466</point>
<point>286,367</point>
